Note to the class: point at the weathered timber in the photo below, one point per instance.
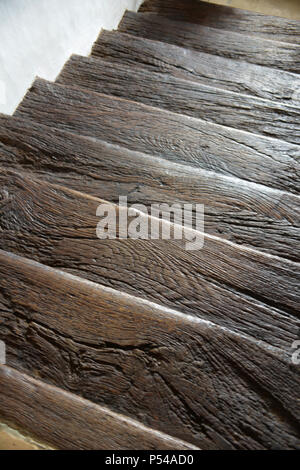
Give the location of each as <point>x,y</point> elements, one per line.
<point>229,74</point>
<point>70,422</point>
<point>241,289</point>
<point>213,41</point>
<point>242,212</point>
<point>184,97</point>
<point>224,17</point>
<point>179,138</point>
<point>175,374</point>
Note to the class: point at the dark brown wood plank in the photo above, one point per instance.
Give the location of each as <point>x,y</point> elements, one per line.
<point>70,422</point>
<point>176,374</point>
<point>213,41</point>
<point>184,97</point>
<point>238,288</point>
<point>224,17</point>
<point>234,75</point>
<point>242,212</point>
<point>183,139</point>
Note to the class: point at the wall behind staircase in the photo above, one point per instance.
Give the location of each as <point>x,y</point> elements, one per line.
<point>38,36</point>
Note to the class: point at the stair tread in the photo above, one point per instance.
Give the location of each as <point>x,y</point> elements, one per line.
<point>238,288</point>
<point>230,44</point>
<point>225,17</point>
<point>225,73</point>
<point>149,358</point>
<point>70,422</point>
<point>182,96</point>
<point>159,132</point>
<point>235,209</point>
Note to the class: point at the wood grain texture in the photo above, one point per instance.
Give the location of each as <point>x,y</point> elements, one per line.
<point>241,289</point>
<point>173,373</point>
<point>151,345</point>
<point>224,17</point>
<point>213,41</point>
<point>178,138</point>
<point>70,422</point>
<point>225,73</point>
<point>184,97</point>
<point>242,212</point>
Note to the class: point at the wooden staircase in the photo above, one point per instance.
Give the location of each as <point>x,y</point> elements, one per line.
<point>141,344</point>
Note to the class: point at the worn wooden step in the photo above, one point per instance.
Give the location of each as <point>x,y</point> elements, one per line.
<point>185,377</point>
<point>234,75</point>
<point>242,212</point>
<point>70,422</point>
<point>238,288</point>
<point>175,137</point>
<point>184,97</point>
<point>224,17</point>
<point>213,41</point>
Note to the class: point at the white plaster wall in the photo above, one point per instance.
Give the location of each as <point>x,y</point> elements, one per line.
<point>38,36</point>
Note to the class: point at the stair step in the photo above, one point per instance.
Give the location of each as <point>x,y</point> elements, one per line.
<point>229,44</point>
<point>181,96</point>
<point>224,17</point>
<point>158,132</point>
<point>225,73</point>
<point>68,421</point>
<point>175,374</point>
<point>241,289</point>
<point>242,212</point>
